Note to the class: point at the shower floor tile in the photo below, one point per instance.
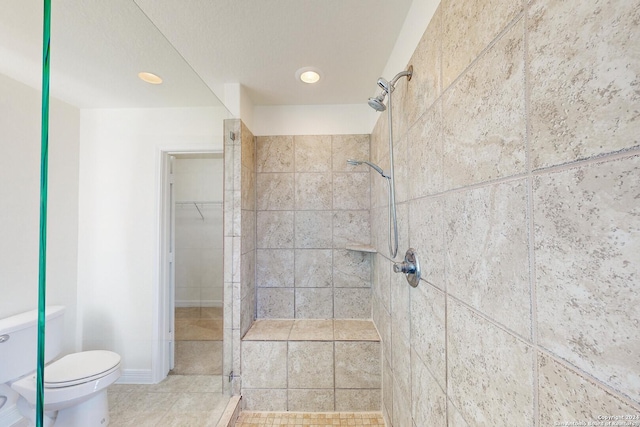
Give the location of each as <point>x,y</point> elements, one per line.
<point>305,419</point>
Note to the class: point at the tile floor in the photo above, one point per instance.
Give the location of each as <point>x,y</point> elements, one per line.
<point>179,400</point>
<point>309,419</point>
<point>198,341</point>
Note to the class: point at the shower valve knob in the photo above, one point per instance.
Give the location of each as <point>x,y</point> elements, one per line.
<point>403,267</point>
<point>410,267</point>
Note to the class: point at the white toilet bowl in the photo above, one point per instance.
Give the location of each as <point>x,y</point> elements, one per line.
<point>76,387</point>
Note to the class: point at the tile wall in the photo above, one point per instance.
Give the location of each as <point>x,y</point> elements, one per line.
<point>310,203</point>
<point>317,365</point>
<point>517,171</point>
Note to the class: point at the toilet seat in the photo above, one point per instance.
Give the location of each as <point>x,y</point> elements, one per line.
<point>79,368</point>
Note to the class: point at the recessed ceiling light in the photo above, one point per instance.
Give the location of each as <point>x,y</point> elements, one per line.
<point>308,75</point>
<point>150,78</point>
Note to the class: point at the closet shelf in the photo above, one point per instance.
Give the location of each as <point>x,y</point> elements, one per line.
<point>361,248</point>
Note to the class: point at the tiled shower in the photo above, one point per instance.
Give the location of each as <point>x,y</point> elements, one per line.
<point>516,158</point>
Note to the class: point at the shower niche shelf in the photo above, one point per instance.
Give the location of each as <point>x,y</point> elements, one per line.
<point>361,248</point>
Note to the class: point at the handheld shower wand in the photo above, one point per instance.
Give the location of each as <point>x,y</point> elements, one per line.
<point>392,212</point>
<point>371,165</point>
<point>377,104</point>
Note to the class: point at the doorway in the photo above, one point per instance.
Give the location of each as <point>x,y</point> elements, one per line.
<point>195,242</point>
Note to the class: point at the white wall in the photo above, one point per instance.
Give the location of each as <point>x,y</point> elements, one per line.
<point>120,151</point>
<point>20,109</point>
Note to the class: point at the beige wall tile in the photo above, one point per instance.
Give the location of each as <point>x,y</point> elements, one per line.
<point>400,303</point>
<point>264,399</point>
<point>387,388</point>
<point>248,145</point>
<point>467,29</point>
<point>311,400</point>
<point>425,154</point>
<point>358,400</point>
<point>428,400</point>
<point>248,224</point>
<point>248,268</point>
<point>426,222</point>
<point>401,406</point>
<point>382,285</point>
<point>567,396</point>
<point>384,328</point>
<point>584,70</point>
<point>274,229</point>
<point>313,268</point>
<point>274,154</point>
<point>424,87</point>
<point>352,303</point>
<point>313,229</point>
<point>273,268</point>
<point>401,168</point>
<point>248,188</point>
<point>400,354</point>
<point>275,191</point>
<point>351,190</point>
<point>248,312</point>
<point>312,153</point>
<point>428,329</point>
<point>351,269</point>
<point>587,250</point>
<point>345,147</point>
<point>275,303</point>
<point>454,417</point>
<point>484,117</point>
<point>264,364</point>
<point>490,373</point>
<point>314,303</point>
<point>358,364</point>
<point>314,191</point>
<point>488,253</point>
<point>350,227</point>
<point>310,364</point>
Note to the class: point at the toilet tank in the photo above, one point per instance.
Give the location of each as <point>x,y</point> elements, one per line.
<point>19,341</point>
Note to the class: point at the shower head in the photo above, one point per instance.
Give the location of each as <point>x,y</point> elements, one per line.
<point>371,165</point>
<point>377,102</point>
<point>388,87</point>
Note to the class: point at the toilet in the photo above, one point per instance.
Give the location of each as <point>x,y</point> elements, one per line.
<point>75,385</point>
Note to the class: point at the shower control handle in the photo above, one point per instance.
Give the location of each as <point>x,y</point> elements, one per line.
<point>410,267</point>
<point>404,267</point>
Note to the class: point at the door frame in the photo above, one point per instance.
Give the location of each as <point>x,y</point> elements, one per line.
<point>162,300</point>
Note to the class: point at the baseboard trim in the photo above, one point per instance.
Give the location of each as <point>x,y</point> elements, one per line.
<point>136,376</point>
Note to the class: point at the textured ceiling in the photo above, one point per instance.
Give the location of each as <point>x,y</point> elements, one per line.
<point>261,44</point>
<point>98,47</point>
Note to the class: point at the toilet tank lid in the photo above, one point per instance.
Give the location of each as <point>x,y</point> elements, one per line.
<point>28,319</point>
